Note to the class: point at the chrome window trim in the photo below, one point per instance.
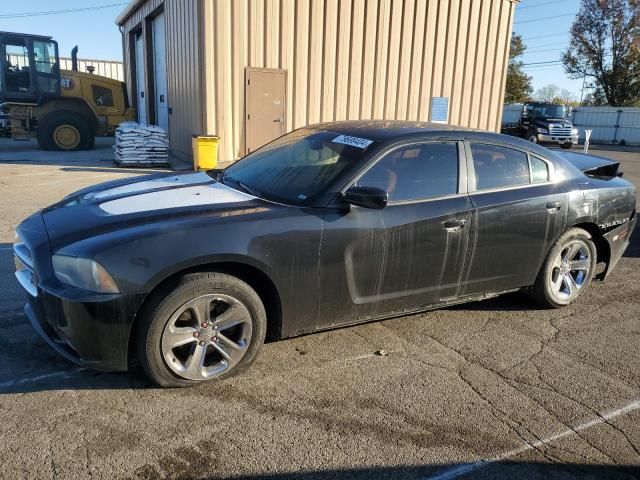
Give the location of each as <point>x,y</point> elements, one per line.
<point>472,173</point>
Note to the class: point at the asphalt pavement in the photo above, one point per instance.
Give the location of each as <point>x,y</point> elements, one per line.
<point>494,389</point>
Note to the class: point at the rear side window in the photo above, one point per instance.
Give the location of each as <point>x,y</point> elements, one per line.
<point>539,170</point>
<point>416,171</point>
<point>499,167</point>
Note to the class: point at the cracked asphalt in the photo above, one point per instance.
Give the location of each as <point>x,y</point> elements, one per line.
<point>494,389</point>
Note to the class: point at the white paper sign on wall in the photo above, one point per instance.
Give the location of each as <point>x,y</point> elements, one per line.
<point>440,109</point>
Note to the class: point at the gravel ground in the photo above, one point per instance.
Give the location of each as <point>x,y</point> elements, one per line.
<point>497,389</point>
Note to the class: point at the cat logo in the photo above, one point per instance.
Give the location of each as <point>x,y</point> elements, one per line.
<point>66,83</point>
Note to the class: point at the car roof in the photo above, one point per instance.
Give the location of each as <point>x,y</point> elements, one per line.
<point>388,131</point>
<point>384,131</point>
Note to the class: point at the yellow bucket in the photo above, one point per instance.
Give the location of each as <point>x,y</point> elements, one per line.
<point>205,152</point>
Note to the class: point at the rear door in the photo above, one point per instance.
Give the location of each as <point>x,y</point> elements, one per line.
<point>408,254</point>
<point>518,213</point>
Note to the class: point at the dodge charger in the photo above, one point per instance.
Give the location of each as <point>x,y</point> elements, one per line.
<point>327,226</point>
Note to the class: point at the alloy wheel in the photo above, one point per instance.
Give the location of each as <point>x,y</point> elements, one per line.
<point>206,336</point>
<point>570,270</point>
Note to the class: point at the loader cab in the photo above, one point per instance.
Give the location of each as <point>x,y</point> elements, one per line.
<point>29,68</point>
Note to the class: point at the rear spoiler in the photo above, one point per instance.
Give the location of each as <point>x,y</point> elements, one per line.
<point>594,165</point>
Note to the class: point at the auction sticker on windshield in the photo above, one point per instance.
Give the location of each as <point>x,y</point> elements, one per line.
<point>353,141</point>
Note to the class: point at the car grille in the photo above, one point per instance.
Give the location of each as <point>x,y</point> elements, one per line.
<point>25,272</point>
<point>560,130</point>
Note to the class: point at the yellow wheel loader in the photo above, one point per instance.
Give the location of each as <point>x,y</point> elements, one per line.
<point>63,109</point>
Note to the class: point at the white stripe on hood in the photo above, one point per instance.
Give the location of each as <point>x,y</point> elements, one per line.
<point>213,194</point>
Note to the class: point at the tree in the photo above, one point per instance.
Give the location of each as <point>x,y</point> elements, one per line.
<point>548,93</point>
<point>605,48</point>
<point>566,98</point>
<point>518,88</point>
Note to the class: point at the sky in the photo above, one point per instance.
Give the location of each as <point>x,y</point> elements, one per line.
<point>95,32</point>
<point>98,37</point>
<point>551,20</point>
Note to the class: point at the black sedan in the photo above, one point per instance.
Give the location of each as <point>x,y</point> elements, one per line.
<point>330,225</point>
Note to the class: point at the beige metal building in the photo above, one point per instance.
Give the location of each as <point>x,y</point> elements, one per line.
<point>250,70</point>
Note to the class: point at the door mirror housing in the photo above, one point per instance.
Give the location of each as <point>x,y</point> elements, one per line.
<point>366,197</point>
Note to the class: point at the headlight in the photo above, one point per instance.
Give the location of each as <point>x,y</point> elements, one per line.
<point>83,273</point>
<point>542,130</point>
<point>574,131</point>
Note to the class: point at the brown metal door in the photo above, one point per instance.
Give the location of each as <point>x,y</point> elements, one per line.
<point>266,108</point>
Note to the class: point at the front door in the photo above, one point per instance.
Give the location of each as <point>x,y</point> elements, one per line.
<point>408,254</point>
<point>266,106</point>
<point>160,72</point>
<point>518,214</point>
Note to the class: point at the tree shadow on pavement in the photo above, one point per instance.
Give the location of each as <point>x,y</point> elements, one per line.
<point>494,471</point>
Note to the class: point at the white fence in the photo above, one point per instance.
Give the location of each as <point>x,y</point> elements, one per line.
<point>609,124</point>
<point>105,68</point>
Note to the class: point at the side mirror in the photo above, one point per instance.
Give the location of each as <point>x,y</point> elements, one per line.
<point>366,197</point>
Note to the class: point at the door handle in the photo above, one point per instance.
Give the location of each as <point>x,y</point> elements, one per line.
<point>554,206</point>
<point>454,225</point>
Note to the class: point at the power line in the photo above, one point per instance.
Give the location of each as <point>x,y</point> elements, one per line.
<point>541,63</point>
<point>58,12</point>
<point>539,4</point>
<point>544,18</point>
<point>546,36</point>
<point>544,50</point>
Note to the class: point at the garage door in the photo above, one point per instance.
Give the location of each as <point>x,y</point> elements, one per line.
<point>141,105</point>
<point>160,72</point>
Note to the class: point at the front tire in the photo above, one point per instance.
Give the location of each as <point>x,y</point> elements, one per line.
<point>208,326</point>
<point>567,145</point>
<point>532,136</point>
<point>65,131</point>
<point>567,270</point>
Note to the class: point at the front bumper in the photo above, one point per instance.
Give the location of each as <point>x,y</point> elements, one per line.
<point>559,139</point>
<point>88,331</point>
<point>86,328</point>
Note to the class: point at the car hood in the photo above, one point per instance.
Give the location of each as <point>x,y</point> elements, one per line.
<point>120,204</point>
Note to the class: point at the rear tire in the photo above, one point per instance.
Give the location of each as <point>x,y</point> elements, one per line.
<point>174,347</point>
<point>567,271</point>
<point>65,131</point>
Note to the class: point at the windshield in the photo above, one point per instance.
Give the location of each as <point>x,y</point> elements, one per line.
<point>297,167</point>
<point>549,111</point>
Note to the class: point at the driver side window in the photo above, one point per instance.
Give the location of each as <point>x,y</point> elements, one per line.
<point>415,172</point>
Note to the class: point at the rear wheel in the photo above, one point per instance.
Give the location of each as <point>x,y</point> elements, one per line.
<point>210,326</point>
<point>567,270</point>
<point>65,131</point>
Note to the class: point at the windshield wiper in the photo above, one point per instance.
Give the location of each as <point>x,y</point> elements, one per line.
<point>242,186</point>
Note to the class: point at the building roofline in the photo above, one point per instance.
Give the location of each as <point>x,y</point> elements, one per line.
<point>128,11</point>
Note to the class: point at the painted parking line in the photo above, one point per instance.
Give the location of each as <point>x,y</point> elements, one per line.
<point>598,419</point>
<point>73,179</point>
<point>46,376</point>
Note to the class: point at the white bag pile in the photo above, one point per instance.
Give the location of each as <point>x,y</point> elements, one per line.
<point>140,144</point>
